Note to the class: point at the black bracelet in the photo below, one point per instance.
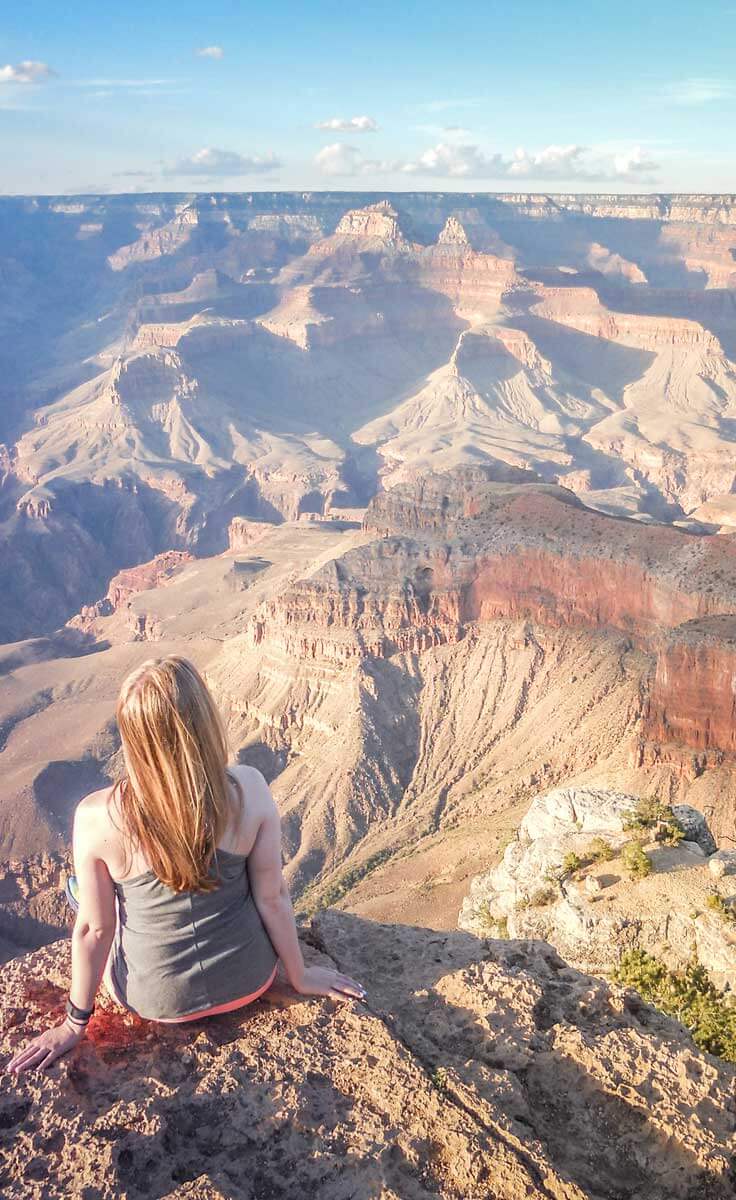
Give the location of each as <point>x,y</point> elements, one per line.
<point>81,1015</point>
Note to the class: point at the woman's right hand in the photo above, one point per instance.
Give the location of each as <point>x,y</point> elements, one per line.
<point>47,1047</point>
<point>323,981</point>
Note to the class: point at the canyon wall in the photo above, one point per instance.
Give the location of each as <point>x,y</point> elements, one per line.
<point>460,551</point>
<point>267,355</point>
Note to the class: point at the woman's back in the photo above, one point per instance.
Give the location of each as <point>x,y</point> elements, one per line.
<point>177,953</point>
<point>249,803</point>
<point>182,904</point>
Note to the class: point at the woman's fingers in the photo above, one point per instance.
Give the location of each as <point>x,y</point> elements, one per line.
<point>351,986</point>
<point>37,1054</point>
<point>28,1059</point>
<point>21,1056</point>
<point>338,994</point>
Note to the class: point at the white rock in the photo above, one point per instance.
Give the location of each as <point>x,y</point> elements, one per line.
<point>723,862</point>
<point>570,810</point>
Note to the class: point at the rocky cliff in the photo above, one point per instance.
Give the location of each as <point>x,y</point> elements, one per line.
<point>476,1068</point>
<point>460,550</point>
<point>262,356</point>
<point>565,878</point>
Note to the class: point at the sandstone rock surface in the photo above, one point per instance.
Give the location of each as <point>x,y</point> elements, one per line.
<point>483,1069</point>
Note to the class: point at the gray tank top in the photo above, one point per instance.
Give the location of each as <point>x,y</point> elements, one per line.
<point>177,953</point>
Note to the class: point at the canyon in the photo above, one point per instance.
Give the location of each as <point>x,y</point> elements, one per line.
<point>408,682</point>
<point>172,362</point>
<point>438,493</point>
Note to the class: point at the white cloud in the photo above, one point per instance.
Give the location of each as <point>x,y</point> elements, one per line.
<point>572,162</point>
<point>452,161</point>
<point>215,52</point>
<point>698,90</point>
<point>339,159</point>
<point>212,162</point>
<point>27,71</point>
<point>634,164</point>
<point>349,125</point>
<point>457,160</point>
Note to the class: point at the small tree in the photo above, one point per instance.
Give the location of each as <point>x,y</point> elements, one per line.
<point>648,813</point>
<point>688,995</point>
<point>571,863</point>
<point>600,850</point>
<point>635,860</point>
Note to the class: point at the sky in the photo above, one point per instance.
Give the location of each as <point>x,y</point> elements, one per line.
<point>549,95</point>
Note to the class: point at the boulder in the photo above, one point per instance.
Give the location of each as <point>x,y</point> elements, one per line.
<point>695,826</point>
<point>723,862</point>
<point>569,810</point>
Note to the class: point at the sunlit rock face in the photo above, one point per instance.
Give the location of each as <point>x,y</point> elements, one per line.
<point>520,1076</point>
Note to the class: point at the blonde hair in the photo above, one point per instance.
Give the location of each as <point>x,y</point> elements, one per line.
<point>174,803</point>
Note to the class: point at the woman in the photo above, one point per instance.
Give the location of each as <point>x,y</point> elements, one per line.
<point>183,908</point>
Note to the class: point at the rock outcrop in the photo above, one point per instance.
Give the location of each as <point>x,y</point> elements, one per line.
<point>564,878</point>
<point>127,584</point>
<point>476,1068</point>
<point>474,546</point>
<point>33,909</point>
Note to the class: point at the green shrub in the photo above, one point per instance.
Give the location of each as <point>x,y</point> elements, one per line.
<point>649,812</point>
<point>718,905</point>
<point>689,995</point>
<point>672,833</point>
<point>646,813</point>
<point>440,1078</point>
<point>493,927</point>
<point>635,861</point>
<point>571,863</point>
<point>502,928</point>
<point>600,850</point>
<point>542,896</point>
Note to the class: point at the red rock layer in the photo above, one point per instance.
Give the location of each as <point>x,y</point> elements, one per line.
<point>692,699</point>
<point>461,550</point>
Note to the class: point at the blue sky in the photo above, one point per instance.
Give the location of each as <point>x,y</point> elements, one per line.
<point>461,96</point>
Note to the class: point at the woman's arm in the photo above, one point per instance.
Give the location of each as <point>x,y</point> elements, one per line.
<point>94,928</point>
<point>91,941</point>
<point>271,896</point>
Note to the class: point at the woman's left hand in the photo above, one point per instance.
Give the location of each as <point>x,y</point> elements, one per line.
<point>46,1048</point>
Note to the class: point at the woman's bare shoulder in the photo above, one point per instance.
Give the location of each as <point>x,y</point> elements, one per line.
<point>257,801</point>
<point>255,790</point>
<point>94,820</point>
<point>95,806</point>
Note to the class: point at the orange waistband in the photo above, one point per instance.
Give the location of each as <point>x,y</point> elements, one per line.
<point>221,1008</point>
